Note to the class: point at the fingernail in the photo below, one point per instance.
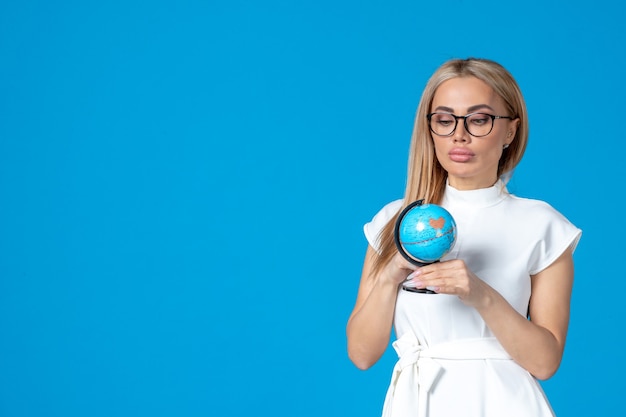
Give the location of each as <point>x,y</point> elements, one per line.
<point>414,274</point>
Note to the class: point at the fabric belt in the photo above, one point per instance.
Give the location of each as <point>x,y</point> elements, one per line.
<point>417,370</point>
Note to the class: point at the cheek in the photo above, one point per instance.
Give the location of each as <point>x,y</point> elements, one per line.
<point>440,148</point>
<point>490,154</point>
<point>441,155</point>
<point>496,154</point>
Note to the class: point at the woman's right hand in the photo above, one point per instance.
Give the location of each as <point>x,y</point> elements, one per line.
<point>397,270</point>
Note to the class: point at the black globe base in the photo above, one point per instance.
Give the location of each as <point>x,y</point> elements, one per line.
<point>418,290</point>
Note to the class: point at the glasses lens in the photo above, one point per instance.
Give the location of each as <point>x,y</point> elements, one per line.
<point>442,124</point>
<point>479,124</point>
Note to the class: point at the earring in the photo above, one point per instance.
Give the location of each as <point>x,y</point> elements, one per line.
<point>506,145</point>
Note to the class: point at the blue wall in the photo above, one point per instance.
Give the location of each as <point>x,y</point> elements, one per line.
<point>183,186</point>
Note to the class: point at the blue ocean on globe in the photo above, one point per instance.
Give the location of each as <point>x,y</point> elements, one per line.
<point>427,232</point>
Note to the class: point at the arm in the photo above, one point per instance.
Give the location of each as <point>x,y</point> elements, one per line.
<point>369,326</point>
<point>536,344</point>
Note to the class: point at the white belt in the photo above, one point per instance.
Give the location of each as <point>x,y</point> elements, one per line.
<point>417,370</point>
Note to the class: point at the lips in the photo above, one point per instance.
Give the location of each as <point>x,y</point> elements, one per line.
<point>460,154</point>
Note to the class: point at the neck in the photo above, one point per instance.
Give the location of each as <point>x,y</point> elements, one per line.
<point>465,184</point>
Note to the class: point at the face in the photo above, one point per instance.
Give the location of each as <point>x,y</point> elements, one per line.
<point>471,162</point>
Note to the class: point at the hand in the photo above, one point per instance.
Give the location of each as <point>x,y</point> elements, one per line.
<point>452,277</point>
<point>397,270</point>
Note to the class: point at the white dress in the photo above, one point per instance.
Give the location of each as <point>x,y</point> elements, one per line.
<point>450,364</point>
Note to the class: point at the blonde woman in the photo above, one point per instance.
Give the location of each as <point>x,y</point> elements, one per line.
<point>499,318</point>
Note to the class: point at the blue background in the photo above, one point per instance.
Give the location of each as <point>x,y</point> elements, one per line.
<point>183,186</point>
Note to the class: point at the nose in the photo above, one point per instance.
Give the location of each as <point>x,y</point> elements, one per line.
<point>460,133</point>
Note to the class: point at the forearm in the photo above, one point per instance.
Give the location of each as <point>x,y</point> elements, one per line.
<point>369,328</point>
<point>533,347</point>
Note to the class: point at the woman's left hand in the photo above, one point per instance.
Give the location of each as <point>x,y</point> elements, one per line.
<point>452,277</point>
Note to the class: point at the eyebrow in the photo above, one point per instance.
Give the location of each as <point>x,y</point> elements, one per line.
<point>471,109</point>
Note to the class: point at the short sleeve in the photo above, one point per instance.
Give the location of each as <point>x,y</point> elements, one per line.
<point>372,229</point>
<point>558,235</point>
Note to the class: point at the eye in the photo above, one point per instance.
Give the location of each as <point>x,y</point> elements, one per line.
<point>479,119</point>
<point>443,119</point>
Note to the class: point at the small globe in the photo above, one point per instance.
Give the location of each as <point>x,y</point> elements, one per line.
<point>425,232</point>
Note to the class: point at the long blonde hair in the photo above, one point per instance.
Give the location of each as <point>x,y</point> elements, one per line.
<point>426,178</point>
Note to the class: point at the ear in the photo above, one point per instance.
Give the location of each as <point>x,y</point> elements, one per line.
<point>512,130</point>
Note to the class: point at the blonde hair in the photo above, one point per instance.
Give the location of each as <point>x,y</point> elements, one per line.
<point>426,178</point>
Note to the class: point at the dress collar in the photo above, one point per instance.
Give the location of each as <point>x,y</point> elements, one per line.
<point>482,197</point>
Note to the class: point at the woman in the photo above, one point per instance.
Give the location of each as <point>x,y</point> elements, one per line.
<point>499,319</point>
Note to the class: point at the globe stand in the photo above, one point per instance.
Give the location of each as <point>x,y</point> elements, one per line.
<point>404,253</point>
<point>418,290</point>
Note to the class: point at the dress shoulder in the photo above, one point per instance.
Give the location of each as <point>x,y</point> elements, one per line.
<point>373,227</point>
<point>551,232</point>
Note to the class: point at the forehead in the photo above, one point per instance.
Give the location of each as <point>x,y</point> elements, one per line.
<point>461,93</point>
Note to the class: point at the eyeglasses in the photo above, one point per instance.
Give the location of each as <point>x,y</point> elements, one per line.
<point>476,124</point>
